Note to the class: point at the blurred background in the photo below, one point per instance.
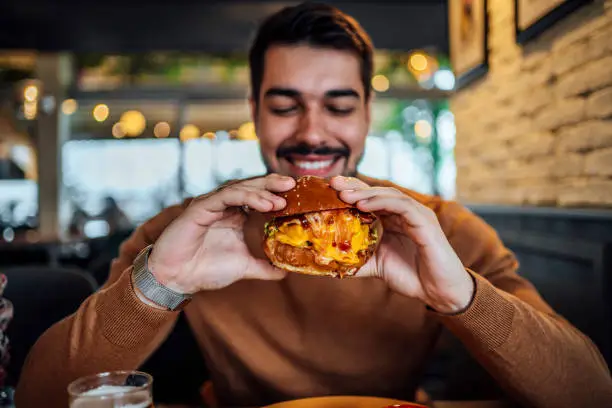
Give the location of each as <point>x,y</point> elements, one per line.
<point>139,132</point>
<point>128,128</point>
<point>111,111</point>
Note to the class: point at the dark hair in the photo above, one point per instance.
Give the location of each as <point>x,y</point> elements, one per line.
<point>314,24</point>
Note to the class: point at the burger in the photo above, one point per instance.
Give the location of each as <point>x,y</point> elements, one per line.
<point>319,234</point>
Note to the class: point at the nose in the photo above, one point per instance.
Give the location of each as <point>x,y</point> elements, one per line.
<point>311,129</point>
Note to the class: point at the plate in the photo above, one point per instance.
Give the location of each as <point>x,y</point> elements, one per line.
<point>344,402</point>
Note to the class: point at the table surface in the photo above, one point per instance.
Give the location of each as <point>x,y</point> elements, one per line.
<point>469,404</point>
<point>436,404</point>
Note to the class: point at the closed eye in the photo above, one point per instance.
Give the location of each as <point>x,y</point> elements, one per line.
<point>340,111</point>
<point>284,110</point>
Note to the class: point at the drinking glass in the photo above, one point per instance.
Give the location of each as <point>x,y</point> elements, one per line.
<point>115,389</point>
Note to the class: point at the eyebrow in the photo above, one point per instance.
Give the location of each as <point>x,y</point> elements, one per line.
<point>294,93</point>
<point>341,93</point>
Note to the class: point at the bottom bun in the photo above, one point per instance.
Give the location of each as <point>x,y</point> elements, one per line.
<point>302,260</point>
<point>308,270</point>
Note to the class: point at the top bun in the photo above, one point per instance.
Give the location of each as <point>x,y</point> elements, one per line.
<point>310,194</point>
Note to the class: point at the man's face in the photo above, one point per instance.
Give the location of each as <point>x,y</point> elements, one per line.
<point>312,117</point>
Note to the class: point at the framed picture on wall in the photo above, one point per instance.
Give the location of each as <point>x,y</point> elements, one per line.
<point>533,17</point>
<point>468,27</point>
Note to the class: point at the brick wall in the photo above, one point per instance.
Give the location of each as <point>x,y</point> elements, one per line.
<point>537,130</point>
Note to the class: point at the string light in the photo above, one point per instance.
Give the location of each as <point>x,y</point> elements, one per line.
<point>380,83</point>
<point>189,132</point>
<point>69,106</point>
<point>100,112</point>
<point>162,129</point>
<point>30,93</point>
<point>423,129</point>
<point>246,131</point>
<point>30,110</point>
<point>118,131</point>
<point>133,123</point>
<point>418,62</point>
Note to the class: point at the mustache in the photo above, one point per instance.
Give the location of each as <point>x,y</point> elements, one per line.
<point>304,149</point>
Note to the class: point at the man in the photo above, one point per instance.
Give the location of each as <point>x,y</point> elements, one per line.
<point>268,335</point>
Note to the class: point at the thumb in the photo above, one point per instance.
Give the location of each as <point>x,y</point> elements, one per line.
<point>263,270</point>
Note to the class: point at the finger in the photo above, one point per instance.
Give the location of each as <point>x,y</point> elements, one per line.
<point>258,200</point>
<point>341,183</point>
<point>234,197</point>
<point>272,182</point>
<point>352,196</point>
<point>278,202</point>
<point>261,269</point>
<point>394,204</point>
<point>420,223</point>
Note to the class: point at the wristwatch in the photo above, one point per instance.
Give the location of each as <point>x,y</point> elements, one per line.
<point>154,291</point>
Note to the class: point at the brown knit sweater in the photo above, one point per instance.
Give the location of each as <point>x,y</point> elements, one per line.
<point>307,336</point>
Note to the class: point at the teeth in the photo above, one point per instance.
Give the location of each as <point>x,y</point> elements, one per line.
<point>313,165</point>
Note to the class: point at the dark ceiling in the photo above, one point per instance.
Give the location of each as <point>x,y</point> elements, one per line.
<point>205,26</point>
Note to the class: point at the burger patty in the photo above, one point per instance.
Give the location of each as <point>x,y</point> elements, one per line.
<point>304,257</point>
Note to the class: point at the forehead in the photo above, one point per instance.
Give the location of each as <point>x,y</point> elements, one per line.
<point>311,70</point>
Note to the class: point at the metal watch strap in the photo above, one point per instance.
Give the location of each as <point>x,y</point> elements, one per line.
<point>153,290</point>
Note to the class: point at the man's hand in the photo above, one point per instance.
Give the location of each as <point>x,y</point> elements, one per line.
<point>414,256</point>
<point>204,247</point>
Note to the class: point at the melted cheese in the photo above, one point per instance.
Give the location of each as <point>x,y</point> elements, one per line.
<point>292,233</point>
<point>326,238</point>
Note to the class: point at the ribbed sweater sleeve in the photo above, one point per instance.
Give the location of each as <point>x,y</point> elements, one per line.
<point>111,330</point>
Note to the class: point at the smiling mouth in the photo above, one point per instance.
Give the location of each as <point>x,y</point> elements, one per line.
<point>312,165</point>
